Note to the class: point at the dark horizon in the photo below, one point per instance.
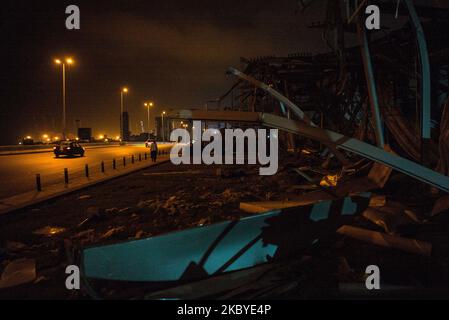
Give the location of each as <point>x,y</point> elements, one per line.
<point>171,53</point>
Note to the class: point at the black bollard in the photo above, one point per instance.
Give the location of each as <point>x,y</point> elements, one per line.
<point>38,182</point>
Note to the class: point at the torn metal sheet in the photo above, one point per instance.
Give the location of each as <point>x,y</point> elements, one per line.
<point>220,248</point>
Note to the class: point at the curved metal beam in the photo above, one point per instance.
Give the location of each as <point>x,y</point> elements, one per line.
<point>361,148</point>
<point>425,70</point>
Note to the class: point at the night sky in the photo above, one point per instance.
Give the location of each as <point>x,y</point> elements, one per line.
<point>174,53</point>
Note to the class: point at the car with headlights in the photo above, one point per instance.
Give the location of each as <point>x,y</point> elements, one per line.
<point>69,148</point>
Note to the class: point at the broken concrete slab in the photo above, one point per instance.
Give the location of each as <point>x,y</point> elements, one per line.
<point>18,272</point>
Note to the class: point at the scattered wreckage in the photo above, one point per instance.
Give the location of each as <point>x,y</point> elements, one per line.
<point>357,114</point>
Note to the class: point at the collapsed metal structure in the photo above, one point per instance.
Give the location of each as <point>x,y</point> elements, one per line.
<point>389,89</point>
<point>382,96</point>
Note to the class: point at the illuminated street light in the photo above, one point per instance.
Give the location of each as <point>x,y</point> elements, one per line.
<point>163,129</point>
<point>67,61</point>
<point>122,92</point>
<point>148,105</point>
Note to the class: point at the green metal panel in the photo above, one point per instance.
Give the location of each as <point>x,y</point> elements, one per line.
<point>219,248</point>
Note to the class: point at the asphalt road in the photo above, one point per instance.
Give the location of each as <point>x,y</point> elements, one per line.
<point>18,172</point>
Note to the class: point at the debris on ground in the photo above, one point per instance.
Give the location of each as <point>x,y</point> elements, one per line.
<point>14,246</point>
<point>389,241</point>
<point>18,272</point>
<point>85,197</point>
<point>112,232</point>
<point>49,231</point>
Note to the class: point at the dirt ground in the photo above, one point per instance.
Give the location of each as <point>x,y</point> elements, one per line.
<point>166,198</point>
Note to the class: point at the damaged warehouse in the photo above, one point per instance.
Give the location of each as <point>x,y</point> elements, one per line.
<point>362,182</point>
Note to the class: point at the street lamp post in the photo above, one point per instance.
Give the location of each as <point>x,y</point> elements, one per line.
<point>163,128</point>
<point>148,105</point>
<point>68,61</point>
<point>122,92</point>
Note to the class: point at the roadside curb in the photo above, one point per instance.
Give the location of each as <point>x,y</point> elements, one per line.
<point>68,190</point>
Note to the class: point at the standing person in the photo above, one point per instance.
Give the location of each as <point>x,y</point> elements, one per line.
<point>154,151</point>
